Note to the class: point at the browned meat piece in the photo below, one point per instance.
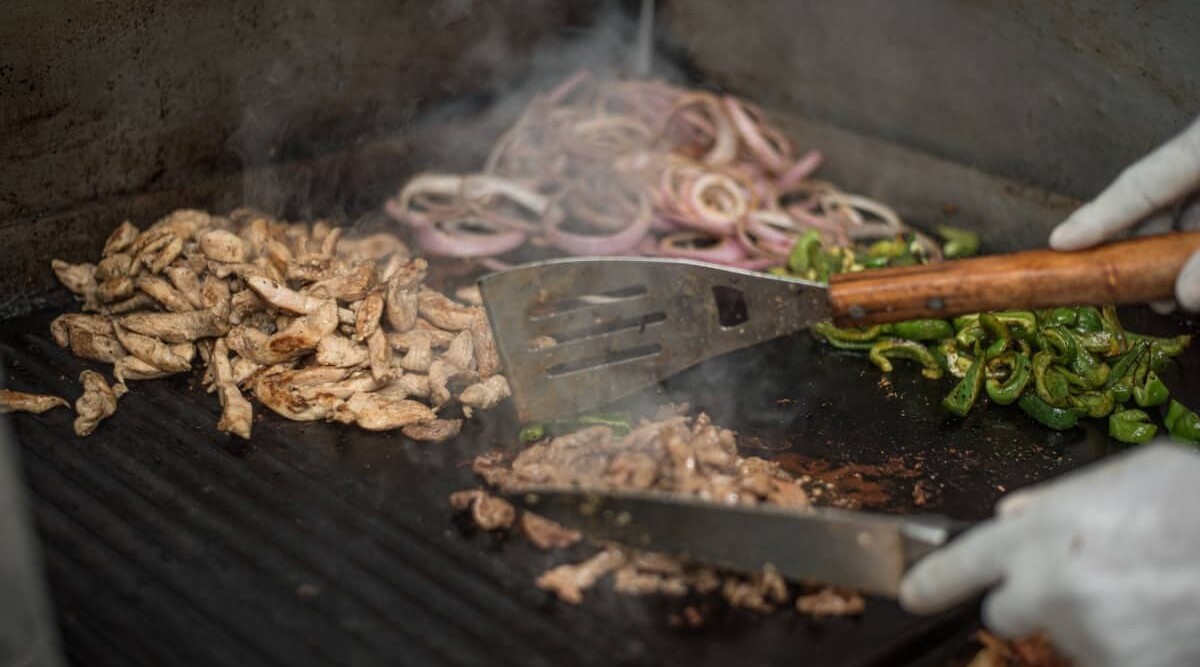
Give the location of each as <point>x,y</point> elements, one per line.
<point>87,336</point>
<point>762,592</point>
<point>186,281</point>
<point>487,511</point>
<point>136,302</point>
<point>408,385</point>
<point>366,318</point>
<point>297,339</point>
<point>244,304</point>
<point>356,383</point>
<point>163,292</point>
<point>405,341</point>
<point>493,468</point>
<point>176,327</point>
<point>183,223</point>
<point>486,394</point>
<point>441,374</point>
<point>401,298</point>
<point>830,602</point>
<point>152,351</point>
<point>237,415</point>
<point>350,285</point>
<point>1032,651</point>
<point>374,247</point>
<point>282,390</point>
<point>121,238</point>
<point>379,356</point>
<point>546,534</point>
<point>98,402</point>
<point>631,580</point>
<point>420,352</point>
<point>284,298</point>
<point>20,401</point>
<point>433,431</point>
<point>130,368</point>
<point>79,278</point>
<point>337,350</point>
<point>114,289</point>
<point>377,412</point>
<point>461,351</point>
<point>214,296</point>
<point>569,581</point>
<point>487,359</point>
<point>119,265</point>
<point>222,246</point>
<point>444,313</point>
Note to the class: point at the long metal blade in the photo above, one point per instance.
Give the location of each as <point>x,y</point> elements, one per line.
<point>867,552</point>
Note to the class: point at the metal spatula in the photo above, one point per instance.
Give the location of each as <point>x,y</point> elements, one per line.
<point>578,333</point>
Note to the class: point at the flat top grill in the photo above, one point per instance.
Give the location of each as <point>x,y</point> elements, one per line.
<point>167,542</point>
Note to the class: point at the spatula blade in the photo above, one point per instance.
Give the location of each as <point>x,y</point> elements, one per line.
<point>575,334</point>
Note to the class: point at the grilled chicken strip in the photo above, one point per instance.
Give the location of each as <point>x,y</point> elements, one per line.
<point>443,312</point>
<point>236,415</point>
<point>376,412</point>
<point>98,402</point>
<point>20,401</point>
<point>402,295</point>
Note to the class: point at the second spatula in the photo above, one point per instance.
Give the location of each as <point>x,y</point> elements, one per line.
<point>578,333</point>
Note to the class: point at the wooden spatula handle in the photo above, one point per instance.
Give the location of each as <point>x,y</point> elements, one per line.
<point>1134,271</point>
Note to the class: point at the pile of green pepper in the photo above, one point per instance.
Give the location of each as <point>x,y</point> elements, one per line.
<point>1058,365</point>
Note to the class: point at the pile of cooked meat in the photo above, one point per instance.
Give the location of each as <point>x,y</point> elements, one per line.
<point>671,453</point>
<point>314,325</point>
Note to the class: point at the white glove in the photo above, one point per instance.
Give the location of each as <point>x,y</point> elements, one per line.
<point>1105,560</point>
<point>1160,180</point>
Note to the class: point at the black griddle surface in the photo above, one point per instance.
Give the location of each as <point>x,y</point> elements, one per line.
<point>167,542</point>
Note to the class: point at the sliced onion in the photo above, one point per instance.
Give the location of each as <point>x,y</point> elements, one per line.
<point>617,243</point>
<point>773,151</point>
<point>463,238</point>
<point>722,250</point>
<point>802,169</point>
<point>723,148</point>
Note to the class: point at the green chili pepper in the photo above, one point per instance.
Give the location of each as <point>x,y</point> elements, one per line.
<point>531,433</point>
<point>1111,323</point>
<point>1151,393</point>
<point>1022,323</point>
<point>958,243</point>
<point>1096,404</point>
<point>966,392</point>
<point>1009,389</point>
<point>1094,372</point>
<point>1088,320</point>
<point>618,422</point>
<point>1099,342</point>
<point>1059,419</point>
<point>804,252</point>
<point>1183,424</point>
<point>1050,384</point>
<point>1060,343</point>
<point>951,358</point>
<point>1063,317</point>
<point>1132,426</point>
<point>968,335</point>
<point>994,327</point>
<point>904,349</point>
<point>997,348</point>
<point>920,329</point>
<point>888,248</point>
<point>847,339</point>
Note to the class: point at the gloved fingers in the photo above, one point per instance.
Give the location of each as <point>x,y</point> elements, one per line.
<point>1014,608</point>
<point>1161,178</point>
<point>955,572</point>
<point>1016,503</point>
<point>1187,285</point>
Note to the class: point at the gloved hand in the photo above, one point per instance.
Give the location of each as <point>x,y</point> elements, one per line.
<point>1145,193</point>
<point>1105,560</point>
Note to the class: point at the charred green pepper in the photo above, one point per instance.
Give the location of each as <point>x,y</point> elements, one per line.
<point>1182,423</point>
<point>883,351</point>
<point>1050,384</point>
<point>1088,320</point>
<point>1059,419</point>
<point>1096,404</point>
<point>847,339</point>
<point>966,392</point>
<point>1131,426</point>
<point>1018,371</point>
<point>1112,324</point>
<point>1152,392</point>
<point>920,329</point>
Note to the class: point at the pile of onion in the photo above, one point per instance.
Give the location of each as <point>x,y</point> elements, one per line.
<point>596,168</point>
